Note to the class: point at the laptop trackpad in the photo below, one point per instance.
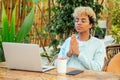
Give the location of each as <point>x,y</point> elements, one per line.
<point>46,68</point>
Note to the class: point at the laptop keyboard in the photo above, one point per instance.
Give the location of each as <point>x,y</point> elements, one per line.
<point>44,68</point>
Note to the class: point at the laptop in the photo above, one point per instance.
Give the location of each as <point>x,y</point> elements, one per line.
<point>24,57</point>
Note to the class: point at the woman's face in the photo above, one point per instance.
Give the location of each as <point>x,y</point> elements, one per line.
<point>82,23</point>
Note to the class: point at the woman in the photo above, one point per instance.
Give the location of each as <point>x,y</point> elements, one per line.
<point>83,50</point>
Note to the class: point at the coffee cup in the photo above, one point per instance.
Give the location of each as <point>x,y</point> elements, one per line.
<point>61,65</point>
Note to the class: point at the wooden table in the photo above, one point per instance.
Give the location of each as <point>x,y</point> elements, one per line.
<point>6,74</point>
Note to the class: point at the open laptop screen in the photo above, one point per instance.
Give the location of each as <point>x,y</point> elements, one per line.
<point>22,56</point>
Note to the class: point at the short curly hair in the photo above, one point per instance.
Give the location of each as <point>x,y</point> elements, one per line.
<point>88,11</point>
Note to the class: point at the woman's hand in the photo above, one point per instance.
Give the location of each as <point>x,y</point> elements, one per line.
<point>74,45</point>
<point>69,53</point>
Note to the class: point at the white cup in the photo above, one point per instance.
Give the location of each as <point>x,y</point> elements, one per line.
<point>61,65</point>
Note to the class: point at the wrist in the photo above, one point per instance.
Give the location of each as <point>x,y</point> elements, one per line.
<point>69,53</point>
<point>77,53</point>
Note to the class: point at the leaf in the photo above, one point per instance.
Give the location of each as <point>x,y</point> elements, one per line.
<point>12,26</point>
<point>2,58</point>
<point>5,34</point>
<point>0,38</point>
<point>29,0</point>
<point>25,27</point>
<point>35,1</point>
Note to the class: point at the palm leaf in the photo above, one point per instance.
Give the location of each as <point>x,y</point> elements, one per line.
<point>35,1</point>
<point>5,34</point>
<point>12,26</point>
<point>25,27</point>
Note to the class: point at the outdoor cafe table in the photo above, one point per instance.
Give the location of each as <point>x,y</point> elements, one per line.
<point>7,74</point>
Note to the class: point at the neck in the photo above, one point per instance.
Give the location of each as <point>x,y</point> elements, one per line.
<point>84,36</point>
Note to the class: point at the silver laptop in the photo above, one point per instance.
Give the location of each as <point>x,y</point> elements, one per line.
<point>24,57</point>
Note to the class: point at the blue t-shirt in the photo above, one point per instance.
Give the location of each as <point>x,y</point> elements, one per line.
<point>91,56</point>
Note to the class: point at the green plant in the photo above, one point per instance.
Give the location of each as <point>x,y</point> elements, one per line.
<point>39,31</point>
<point>61,24</point>
<point>99,33</point>
<point>116,13</point>
<point>115,31</point>
<point>8,32</point>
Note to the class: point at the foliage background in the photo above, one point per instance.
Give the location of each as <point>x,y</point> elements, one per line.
<point>115,31</point>
<point>61,23</point>
<point>59,15</point>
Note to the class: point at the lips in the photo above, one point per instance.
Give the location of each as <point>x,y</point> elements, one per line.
<point>78,27</point>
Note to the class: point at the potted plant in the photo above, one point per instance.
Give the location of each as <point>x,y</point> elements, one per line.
<point>8,34</point>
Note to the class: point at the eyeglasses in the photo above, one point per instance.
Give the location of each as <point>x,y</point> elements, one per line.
<point>81,20</point>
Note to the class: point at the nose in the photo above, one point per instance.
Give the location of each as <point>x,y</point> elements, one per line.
<point>79,22</point>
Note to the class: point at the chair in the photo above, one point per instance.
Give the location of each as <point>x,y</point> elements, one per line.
<point>111,51</point>
<point>114,64</point>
